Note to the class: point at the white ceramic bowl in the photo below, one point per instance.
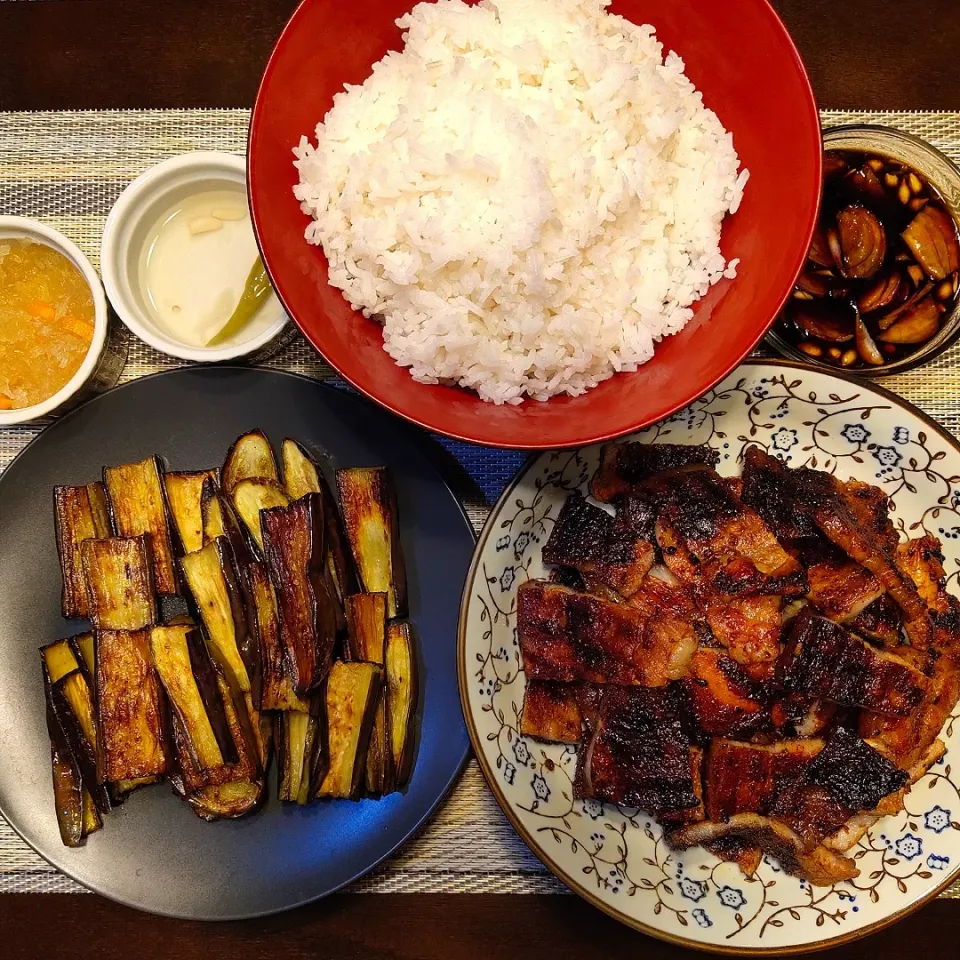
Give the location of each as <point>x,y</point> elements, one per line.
<point>126,233</point>
<point>102,365</point>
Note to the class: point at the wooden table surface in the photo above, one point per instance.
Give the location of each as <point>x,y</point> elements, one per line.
<point>95,54</point>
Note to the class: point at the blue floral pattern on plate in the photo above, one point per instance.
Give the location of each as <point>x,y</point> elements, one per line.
<point>618,855</point>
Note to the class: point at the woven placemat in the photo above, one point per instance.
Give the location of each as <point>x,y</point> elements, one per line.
<point>67,169</point>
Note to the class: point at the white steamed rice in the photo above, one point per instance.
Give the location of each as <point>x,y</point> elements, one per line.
<point>528,196</point>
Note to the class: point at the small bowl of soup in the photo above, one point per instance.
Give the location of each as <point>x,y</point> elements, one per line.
<point>181,266</point>
<point>55,347</point>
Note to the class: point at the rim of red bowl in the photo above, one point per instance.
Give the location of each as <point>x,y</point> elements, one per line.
<point>583,437</point>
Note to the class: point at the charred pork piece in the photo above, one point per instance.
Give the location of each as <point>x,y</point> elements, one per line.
<point>402,692</point>
<point>690,814</point>
<point>611,550</point>
<point>849,521</point>
<point>870,507</point>
<point>277,684</point>
<point>638,754</point>
<point>301,476</point>
<point>293,546</point>
<point>748,627</point>
<point>190,680</point>
<point>624,467</point>
<point>119,579</point>
<point>367,640</point>
<point>801,716</point>
<point>351,699</point>
<point>823,659</point>
<point>881,621</point>
<point>213,583</point>
<point>250,457</point>
<point>184,498</point>
<point>922,561</point>
<point>138,507</point>
<point>846,777</point>
<point>80,513</point>
<point>748,778</point>
<point>565,635</point>
<point>551,712</point>
<point>841,589</point>
<point>847,835</point>
<point>130,709</point>
<point>659,596</point>
<point>820,865</point>
<point>724,702</point>
<point>704,532</point>
<point>767,484</point>
<point>733,850</point>
<point>907,738</point>
<point>370,518</point>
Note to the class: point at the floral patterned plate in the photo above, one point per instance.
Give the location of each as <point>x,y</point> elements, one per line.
<point>617,858</point>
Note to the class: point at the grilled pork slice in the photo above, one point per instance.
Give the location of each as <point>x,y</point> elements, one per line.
<point>870,507</point>
<point>906,739</point>
<point>250,457</point>
<point>402,682</point>
<point>370,518</point>
<point>80,513</point>
<point>802,716</point>
<point>277,691</point>
<point>565,635</point>
<point>624,467</point>
<point>138,507</point>
<point>213,583</point>
<point>293,547</point>
<point>184,498</point>
<point>616,551</point>
<point>748,627</point>
<point>724,702</point>
<point>823,659</point>
<point>748,777</point>
<point>130,708</point>
<point>707,535</point>
<point>849,521</point>
<point>638,752</point>
<point>848,776</point>
<point>767,488</point>
<point>252,495</point>
<point>69,684</point>
<point>301,476</point>
<point>119,579</point>
<point>351,697</point>
<point>189,679</point>
<point>367,640</point>
<point>820,866</point>
<point>551,711</point>
<point>844,838</point>
<point>880,621</point>
<point>841,589</point>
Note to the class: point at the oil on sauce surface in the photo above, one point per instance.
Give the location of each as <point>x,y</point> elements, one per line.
<point>46,322</point>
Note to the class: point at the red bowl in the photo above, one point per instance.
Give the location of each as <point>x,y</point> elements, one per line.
<point>737,52</point>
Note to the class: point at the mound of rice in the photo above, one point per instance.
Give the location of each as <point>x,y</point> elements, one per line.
<point>528,196</point>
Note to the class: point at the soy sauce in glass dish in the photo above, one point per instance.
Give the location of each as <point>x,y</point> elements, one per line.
<point>882,272</point>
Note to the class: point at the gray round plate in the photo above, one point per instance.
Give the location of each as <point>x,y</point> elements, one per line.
<point>153,852</point>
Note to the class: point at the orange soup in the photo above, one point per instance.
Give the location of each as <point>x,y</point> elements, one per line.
<point>46,322</point>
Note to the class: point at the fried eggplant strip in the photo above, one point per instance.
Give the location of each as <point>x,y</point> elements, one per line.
<point>80,513</point>
<point>119,578</point>
<point>369,506</point>
<point>138,507</point>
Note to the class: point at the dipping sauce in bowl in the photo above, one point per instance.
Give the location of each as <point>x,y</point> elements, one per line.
<point>195,266</point>
<point>181,265</point>
<point>46,322</point>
